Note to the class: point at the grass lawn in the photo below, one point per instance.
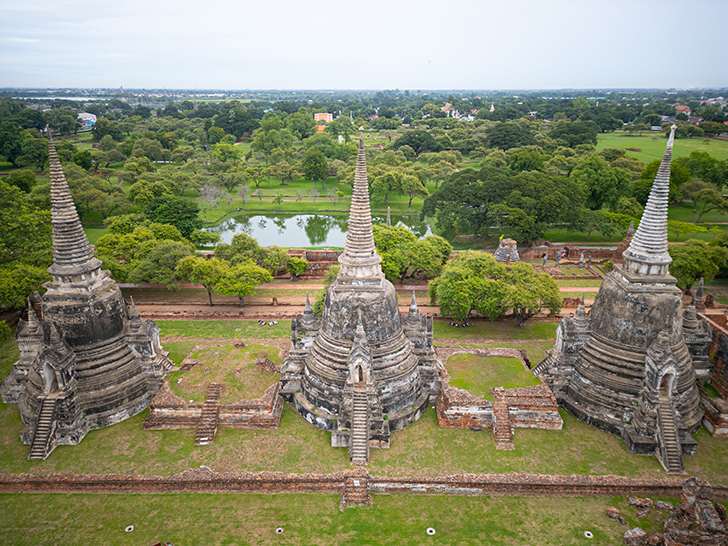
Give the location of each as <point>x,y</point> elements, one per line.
<point>505,329</point>
<point>222,328</point>
<point>684,213</point>
<point>477,374</point>
<point>234,368</point>
<point>94,234</point>
<point>653,145</point>
<point>313,519</point>
<point>567,283</point>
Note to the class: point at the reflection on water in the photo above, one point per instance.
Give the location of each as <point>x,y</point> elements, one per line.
<point>305,230</point>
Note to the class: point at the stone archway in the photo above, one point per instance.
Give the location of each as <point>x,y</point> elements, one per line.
<point>666,386</point>
<point>50,381</point>
<point>360,377</point>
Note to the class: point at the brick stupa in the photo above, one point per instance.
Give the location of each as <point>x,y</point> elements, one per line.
<point>361,370</point>
<point>626,368</point>
<point>92,361</point>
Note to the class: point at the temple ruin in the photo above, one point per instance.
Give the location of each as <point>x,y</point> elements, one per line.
<point>361,370</point>
<point>92,361</point>
<point>629,367</point>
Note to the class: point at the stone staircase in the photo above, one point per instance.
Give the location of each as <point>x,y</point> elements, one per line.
<point>502,425</point>
<point>670,451</point>
<point>359,454</point>
<point>207,427</point>
<point>40,448</point>
<point>356,492</point>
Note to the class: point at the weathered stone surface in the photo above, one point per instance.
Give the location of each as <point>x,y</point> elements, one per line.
<point>627,367</point>
<point>93,361</point>
<point>389,382</point>
<point>635,537</point>
<point>664,505</point>
<point>612,513</point>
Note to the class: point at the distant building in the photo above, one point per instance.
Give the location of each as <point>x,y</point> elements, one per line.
<point>88,120</point>
<point>323,116</point>
<point>683,110</point>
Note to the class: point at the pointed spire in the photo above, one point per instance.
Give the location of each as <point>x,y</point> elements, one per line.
<point>72,254</point>
<point>389,216</point>
<point>413,318</point>
<point>308,316</point>
<point>690,318</point>
<point>360,259</point>
<point>581,320</point>
<point>55,337</point>
<point>647,254</point>
<point>630,231</point>
<point>33,323</point>
<point>699,292</point>
<point>135,319</point>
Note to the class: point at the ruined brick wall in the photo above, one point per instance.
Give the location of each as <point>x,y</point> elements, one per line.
<point>204,480</point>
<point>533,407</point>
<point>262,413</point>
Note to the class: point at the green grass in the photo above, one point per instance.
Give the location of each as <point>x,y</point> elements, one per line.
<point>94,234</point>
<point>234,368</point>
<point>477,374</point>
<point>684,213</point>
<point>222,328</point>
<point>178,350</point>
<point>568,283</point>
<point>9,353</point>
<point>192,519</point>
<point>653,145</point>
<point>496,330</point>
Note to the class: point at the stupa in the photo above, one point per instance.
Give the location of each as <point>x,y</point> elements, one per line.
<point>626,367</point>
<point>361,370</point>
<point>92,361</point>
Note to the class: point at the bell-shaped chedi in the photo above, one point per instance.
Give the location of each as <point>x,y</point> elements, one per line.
<point>92,356</point>
<point>600,370</point>
<point>361,304</point>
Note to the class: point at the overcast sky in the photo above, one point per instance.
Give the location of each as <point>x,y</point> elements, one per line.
<point>341,44</point>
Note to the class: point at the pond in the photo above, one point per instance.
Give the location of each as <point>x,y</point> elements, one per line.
<point>305,230</point>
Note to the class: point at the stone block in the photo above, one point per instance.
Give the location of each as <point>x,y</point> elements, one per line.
<point>635,537</point>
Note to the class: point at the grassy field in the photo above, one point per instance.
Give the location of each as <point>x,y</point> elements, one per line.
<point>313,519</point>
<point>507,329</point>
<point>653,145</point>
<point>234,368</point>
<point>477,374</point>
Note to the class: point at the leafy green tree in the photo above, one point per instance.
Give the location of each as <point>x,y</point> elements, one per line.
<point>63,121</point>
<point>420,141</point>
<point>601,184</point>
<point>705,167</point>
<point>296,267</point>
<point>203,238</point>
<point>712,200</point>
<point>4,329</point>
<point>628,206</point>
<point>684,227</point>
<point>181,213</point>
<point>571,134</point>
<point>389,182</point>
<point>592,220</point>
<point>10,141</point>
<point>696,259</point>
<point>225,152</point>
<point>526,161</point>
<point>23,179</point>
<point>412,186</point>
<point>215,135</point>
<point>242,280</point>
<point>315,167</point>
<point>475,281</point>
<point>505,136</point>
<point>34,152</point>
<point>25,237</point>
<point>300,124</point>
<point>208,273</point>
<point>83,159</point>
<point>18,281</point>
<point>160,265</point>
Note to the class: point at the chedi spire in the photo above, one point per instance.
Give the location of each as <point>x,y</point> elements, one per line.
<point>360,259</point>
<point>647,254</point>
<point>72,253</point>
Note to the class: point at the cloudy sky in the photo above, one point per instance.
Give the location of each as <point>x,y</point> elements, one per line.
<point>340,44</point>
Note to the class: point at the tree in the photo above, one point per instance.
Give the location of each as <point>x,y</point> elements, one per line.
<point>18,281</point>
<point>179,212</point>
<point>390,181</point>
<point>413,187</point>
<point>474,281</point>
<point>329,277</point>
<point>342,125</point>
<point>199,270</point>
<point>404,255</point>
<point>315,166</point>
<point>601,184</point>
<point>300,124</point>
<point>574,133</point>
<point>526,161</point>
<point>10,141</point>
<point>590,221</point>
<point>420,141</point>
<point>696,259</point>
<point>34,152</point>
<point>225,152</point>
<point>4,329</point>
<point>203,238</point>
<point>23,179</point>
<point>712,200</point>
<point>705,167</point>
<point>83,159</point>
<point>684,227</point>
<point>242,280</point>
<point>63,121</point>
<point>509,135</point>
<point>296,267</point>
<point>160,265</point>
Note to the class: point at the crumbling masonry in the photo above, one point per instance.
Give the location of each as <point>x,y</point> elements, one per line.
<point>92,361</point>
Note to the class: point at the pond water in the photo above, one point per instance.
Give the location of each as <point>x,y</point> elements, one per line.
<point>305,230</point>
